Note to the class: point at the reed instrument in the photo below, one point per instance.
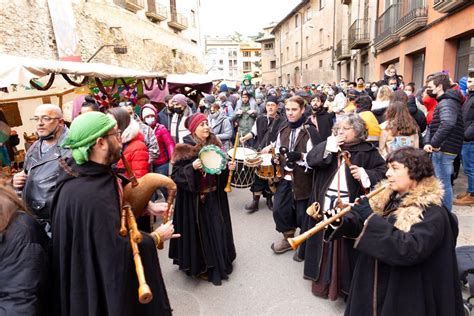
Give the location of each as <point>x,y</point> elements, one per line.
<point>298,240</point>
<point>231,172</point>
<point>278,173</point>
<point>136,196</point>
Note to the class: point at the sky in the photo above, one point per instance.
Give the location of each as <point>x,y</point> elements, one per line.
<point>248,17</point>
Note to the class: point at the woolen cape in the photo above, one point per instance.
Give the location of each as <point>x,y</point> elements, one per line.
<point>206,245</point>
<point>407,261</point>
<point>94,272</point>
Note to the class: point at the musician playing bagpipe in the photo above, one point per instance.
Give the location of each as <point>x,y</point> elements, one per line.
<point>337,182</point>
<point>206,248</point>
<point>406,242</point>
<point>94,271</point>
<point>265,131</point>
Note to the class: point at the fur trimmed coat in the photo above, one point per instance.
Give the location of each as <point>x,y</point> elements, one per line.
<point>407,262</point>
<point>202,217</point>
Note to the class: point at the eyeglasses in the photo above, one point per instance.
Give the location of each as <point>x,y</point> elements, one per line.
<point>45,119</point>
<point>116,134</point>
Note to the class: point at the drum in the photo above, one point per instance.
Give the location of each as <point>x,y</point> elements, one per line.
<point>243,176</point>
<point>266,170</point>
<point>213,159</point>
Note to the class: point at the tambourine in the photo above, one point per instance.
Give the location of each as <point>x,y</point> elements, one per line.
<point>213,159</point>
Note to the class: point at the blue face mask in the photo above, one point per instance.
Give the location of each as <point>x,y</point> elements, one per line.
<point>149,120</point>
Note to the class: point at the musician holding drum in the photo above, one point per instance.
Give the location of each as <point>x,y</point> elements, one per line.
<point>406,242</point>
<point>95,273</point>
<point>206,249</point>
<point>265,131</point>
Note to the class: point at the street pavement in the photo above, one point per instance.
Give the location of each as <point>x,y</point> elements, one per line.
<point>263,283</point>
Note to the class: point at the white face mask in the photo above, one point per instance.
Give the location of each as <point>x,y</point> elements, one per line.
<point>374,89</point>
<point>149,120</point>
<point>407,92</point>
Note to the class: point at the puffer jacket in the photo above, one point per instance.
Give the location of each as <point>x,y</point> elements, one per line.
<point>43,171</point>
<point>468,117</point>
<point>446,131</point>
<point>166,144</point>
<point>23,267</point>
<point>222,128</point>
<point>134,150</point>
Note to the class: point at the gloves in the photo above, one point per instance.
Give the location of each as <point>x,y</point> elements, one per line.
<point>293,156</point>
<point>362,208</point>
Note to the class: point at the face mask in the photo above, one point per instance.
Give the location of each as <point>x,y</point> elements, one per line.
<point>178,110</point>
<point>331,92</point>
<point>407,92</point>
<point>430,93</point>
<point>214,115</point>
<point>394,87</point>
<point>149,120</point>
<point>374,89</point>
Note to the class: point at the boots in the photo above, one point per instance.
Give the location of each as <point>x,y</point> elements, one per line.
<point>283,245</point>
<point>253,206</point>
<point>270,202</point>
<point>465,200</point>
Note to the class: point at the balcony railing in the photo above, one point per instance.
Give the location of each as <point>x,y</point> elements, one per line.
<point>178,21</point>
<point>156,11</point>
<point>446,6</point>
<point>342,50</point>
<point>413,16</point>
<point>385,27</point>
<point>135,5</point>
<point>359,34</point>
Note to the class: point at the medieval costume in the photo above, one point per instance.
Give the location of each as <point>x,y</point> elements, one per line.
<point>407,262</point>
<point>93,264</point>
<point>206,247</point>
<point>325,262</point>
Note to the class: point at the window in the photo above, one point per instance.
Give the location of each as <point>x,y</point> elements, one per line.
<point>307,45</point>
<point>235,62</point>
<point>258,54</point>
<point>268,46</point>
<point>321,39</point>
<point>246,54</point>
<point>308,14</point>
<point>296,20</point>
<point>211,51</point>
<point>221,62</point>
<point>297,49</point>
<point>320,63</point>
<point>306,65</point>
<point>281,58</point>
<point>193,18</point>
<point>247,66</point>
<point>232,52</point>
<point>230,63</point>
<point>222,50</point>
<point>273,64</point>
<point>322,4</point>
<point>287,53</point>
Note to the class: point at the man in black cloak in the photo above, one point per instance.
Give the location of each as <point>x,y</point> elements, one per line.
<point>94,272</point>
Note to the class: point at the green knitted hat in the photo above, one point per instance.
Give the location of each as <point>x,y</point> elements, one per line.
<point>84,131</point>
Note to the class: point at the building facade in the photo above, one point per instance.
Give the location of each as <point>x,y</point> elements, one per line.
<point>268,62</point>
<point>223,59</point>
<point>149,35</point>
<point>425,36</point>
<point>251,60</point>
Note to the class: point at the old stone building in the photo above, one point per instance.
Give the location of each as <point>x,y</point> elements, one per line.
<point>148,35</point>
<point>268,61</point>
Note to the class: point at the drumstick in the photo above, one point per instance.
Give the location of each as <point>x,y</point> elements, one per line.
<point>231,172</point>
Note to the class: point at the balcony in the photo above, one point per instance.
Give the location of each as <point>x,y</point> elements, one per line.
<point>413,16</point>
<point>385,27</point>
<point>134,5</point>
<point>446,6</point>
<point>178,21</point>
<point>359,34</point>
<point>156,11</point>
<point>342,50</point>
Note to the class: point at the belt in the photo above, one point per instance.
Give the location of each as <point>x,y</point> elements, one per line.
<point>208,190</point>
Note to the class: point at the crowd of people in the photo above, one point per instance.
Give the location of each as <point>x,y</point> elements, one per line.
<point>330,145</point>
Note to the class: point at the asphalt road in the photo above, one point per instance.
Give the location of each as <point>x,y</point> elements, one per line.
<point>263,283</point>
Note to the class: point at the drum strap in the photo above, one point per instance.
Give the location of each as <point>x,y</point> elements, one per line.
<point>292,139</point>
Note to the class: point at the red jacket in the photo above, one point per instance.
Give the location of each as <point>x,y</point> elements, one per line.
<point>430,104</point>
<point>165,143</point>
<point>137,156</point>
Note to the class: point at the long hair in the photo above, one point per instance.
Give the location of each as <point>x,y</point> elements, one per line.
<point>9,205</point>
<point>385,93</point>
<point>399,120</point>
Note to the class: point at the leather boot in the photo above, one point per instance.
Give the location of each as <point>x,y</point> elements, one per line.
<point>466,200</point>
<point>283,245</point>
<point>253,206</point>
<point>270,202</point>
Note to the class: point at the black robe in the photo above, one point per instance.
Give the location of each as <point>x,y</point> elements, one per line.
<point>94,272</point>
<point>407,261</point>
<point>363,155</point>
<point>206,247</point>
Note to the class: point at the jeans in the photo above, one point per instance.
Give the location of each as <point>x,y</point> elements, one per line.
<point>164,170</point>
<point>467,154</point>
<point>443,167</point>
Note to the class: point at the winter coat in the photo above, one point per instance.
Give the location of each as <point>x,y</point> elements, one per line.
<point>150,141</point>
<point>164,118</point>
<point>222,128</point>
<point>23,267</point>
<point>42,171</point>
<point>244,120</point>
<point>468,117</point>
<point>379,108</point>
<point>407,261</point>
<point>371,124</point>
<point>134,150</point>
<point>430,104</point>
<point>446,131</point>
<point>416,113</point>
<point>165,143</point>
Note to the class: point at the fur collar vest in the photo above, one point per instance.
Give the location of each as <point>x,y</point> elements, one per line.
<point>190,149</point>
<point>429,191</point>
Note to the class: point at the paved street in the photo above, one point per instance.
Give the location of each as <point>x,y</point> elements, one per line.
<point>263,283</point>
